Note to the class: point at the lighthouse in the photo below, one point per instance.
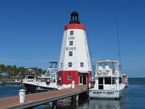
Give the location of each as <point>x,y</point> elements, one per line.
<point>74,63</point>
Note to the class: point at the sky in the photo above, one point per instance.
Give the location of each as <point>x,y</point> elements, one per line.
<point>31,31</point>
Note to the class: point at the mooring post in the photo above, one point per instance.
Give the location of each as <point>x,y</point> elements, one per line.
<point>73,84</point>
<point>77,97</point>
<point>54,105</point>
<point>74,99</point>
<point>22,95</point>
<point>87,89</point>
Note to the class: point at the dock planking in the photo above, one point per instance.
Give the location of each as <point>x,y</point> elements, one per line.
<point>37,99</point>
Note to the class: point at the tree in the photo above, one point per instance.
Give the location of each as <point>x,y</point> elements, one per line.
<point>14,71</point>
<point>8,69</point>
<point>22,70</point>
<point>2,68</point>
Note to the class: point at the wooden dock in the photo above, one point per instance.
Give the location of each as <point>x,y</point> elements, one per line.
<point>32,100</point>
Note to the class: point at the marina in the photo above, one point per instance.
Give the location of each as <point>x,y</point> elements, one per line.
<point>72,77</point>
<point>32,100</point>
<point>133,97</point>
<point>72,55</point>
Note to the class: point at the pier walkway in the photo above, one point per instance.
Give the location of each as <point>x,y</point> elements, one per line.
<point>32,100</point>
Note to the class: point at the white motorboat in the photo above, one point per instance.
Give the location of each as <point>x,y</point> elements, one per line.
<point>107,81</point>
<point>0,83</point>
<point>125,79</point>
<point>45,82</point>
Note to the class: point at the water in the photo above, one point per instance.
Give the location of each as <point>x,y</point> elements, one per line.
<point>133,98</point>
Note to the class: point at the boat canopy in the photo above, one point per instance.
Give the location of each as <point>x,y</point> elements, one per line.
<point>107,62</point>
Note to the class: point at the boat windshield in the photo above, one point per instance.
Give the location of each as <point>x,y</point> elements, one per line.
<point>30,77</point>
<point>124,76</point>
<point>42,80</point>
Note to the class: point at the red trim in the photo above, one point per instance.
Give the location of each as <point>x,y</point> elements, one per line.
<point>75,76</point>
<point>74,26</point>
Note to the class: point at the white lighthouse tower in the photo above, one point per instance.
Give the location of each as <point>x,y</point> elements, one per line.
<point>74,63</point>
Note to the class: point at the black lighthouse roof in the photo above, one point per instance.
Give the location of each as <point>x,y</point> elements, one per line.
<point>74,18</point>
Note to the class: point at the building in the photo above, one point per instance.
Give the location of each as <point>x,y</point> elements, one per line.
<point>74,63</point>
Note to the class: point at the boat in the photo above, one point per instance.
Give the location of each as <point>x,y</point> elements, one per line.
<point>108,83</point>
<point>44,82</point>
<point>125,79</point>
<point>0,82</point>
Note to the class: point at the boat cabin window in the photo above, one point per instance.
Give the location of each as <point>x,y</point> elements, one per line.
<point>113,80</point>
<point>42,80</point>
<point>30,77</point>
<point>120,80</point>
<point>100,86</point>
<point>47,75</point>
<point>107,80</point>
<point>124,76</point>
<point>100,80</point>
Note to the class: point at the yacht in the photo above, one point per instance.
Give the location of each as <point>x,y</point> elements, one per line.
<point>108,83</point>
<point>44,82</point>
<point>0,83</point>
<point>125,79</point>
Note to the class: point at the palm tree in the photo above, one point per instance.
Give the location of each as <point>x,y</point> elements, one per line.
<point>8,69</point>
<point>14,71</point>
<point>2,68</point>
<point>22,70</point>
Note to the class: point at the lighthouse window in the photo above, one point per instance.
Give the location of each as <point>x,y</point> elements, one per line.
<point>70,64</point>
<point>70,53</point>
<point>81,64</point>
<point>69,76</point>
<point>71,43</point>
<point>71,32</point>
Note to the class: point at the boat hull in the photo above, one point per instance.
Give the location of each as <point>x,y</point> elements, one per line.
<point>31,88</point>
<point>105,94</point>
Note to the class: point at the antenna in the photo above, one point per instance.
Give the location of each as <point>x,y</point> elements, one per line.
<point>118,45</point>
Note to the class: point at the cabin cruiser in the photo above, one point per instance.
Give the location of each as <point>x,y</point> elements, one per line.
<point>0,83</point>
<point>125,79</point>
<point>44,82</point>
<point>107,81</point>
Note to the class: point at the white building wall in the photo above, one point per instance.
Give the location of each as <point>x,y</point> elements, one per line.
<point>80,51</point>
<point>62,53</point>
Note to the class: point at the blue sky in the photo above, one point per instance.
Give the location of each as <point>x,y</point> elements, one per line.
<point>31,31</point>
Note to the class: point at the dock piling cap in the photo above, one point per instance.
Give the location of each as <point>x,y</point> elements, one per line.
<point>22,90</point>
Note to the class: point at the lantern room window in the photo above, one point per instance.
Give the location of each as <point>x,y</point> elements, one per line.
<point>69,76</point>
<point>70,64</point>
<point>71,32</point>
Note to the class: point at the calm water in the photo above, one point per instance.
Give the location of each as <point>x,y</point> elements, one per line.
<point>134,97</point>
